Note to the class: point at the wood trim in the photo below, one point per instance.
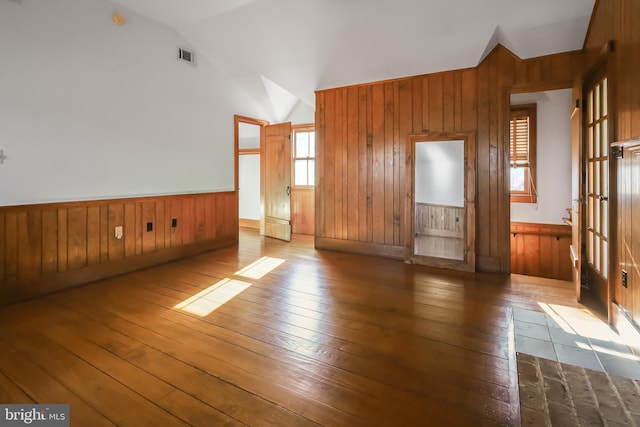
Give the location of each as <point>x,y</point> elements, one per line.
<point>387,251</point>
<point>541,229</point>
<point>237,119</point>
<point>249,223</point>
<point>591,23</point>
<point>243,151</point>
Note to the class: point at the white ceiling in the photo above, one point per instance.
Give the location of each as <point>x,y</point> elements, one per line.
<point>281,51</point>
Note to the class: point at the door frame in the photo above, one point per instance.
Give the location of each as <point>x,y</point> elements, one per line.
<point>469,261</point>
<point>237,119</point>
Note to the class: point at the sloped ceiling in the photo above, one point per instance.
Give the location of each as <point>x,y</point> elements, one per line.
<point>293,47</point>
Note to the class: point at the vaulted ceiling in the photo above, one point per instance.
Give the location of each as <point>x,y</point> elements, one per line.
<point>281,51</point>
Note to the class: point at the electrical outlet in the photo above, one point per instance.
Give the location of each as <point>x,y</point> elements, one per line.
<point>118,232</point>
<point>624,278</point>
<point>174,222</point>
<point>149,226</point>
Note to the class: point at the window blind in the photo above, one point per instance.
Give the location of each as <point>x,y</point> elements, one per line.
<point>519,137</point>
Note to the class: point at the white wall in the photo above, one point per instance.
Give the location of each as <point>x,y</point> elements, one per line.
<point>92,110</point>
<point>249,186</point>
<point>440,173</point>
<point>553,158</point>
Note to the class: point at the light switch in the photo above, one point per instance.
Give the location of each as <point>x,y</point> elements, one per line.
<point>119,232</point>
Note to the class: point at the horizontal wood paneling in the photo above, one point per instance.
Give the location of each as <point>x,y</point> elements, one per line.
<point>362,130</point>
<point>541,250</point>
<point>47,247</point>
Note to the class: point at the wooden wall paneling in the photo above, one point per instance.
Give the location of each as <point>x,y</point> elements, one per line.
<point>405,128</point>
<point>362,164</point>
<point>389,165</point>
<point>189,221</point>
<point>49,241</point>
<point>116,219</point>
<point>417,105</point>
<point>329,165</point>
<point>63,261</point>
<point>369,163</point>
<point>449,100</point>
<point>469,99</point>
<point>338,142</point>
<point>77,237</point>
<point>319,184</point>
<point>2,247</point>
<point>140,227</point>
<point>425,98</point>
<point>457,101</point>
<point>436,100</point>
<point>209,218</point>
<point>220,214</point>
<point>11,245</point>
<point>176,213</point>
<point>231,215</point>
<point>353,115</point>
<point>200,224</point>
<point>378,169</point>
<point>29,244</point>
<point>129,229</point>
<point>104,233</point>
<point>93,235</point>
<point>484,182</point>
<point>541,250</point>
<point>161,223</point>
<point>398,164</point>
<point>344,164</point>
<point>148,215</point>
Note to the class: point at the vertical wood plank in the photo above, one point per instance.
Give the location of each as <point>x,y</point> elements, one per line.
<point>362,163</point>
<point>130,229</point>
<point>49,241</point>
<point>148,215</point>
<point>77,237</point>
<point>329,165</point>
<point>104,234</point>
<point>457,101</point>
<point>436,100</point>
<point>405,127</point>
<point>139,227</point>
<point>29,245</point>
<point>199,212</point>
<point>426,96</point>
<point>353,116</point>
<point>345,165</point>
<point>93,235</point>
<point>116,219</point>
<point>176,213</point>
<point>63,257</point>
<point>369,165</point>
<point>389,165</point>
<point>3,243</point>
<point>188,221</point>
<point>448,101</point>
<point>417,105</point>
<point>378,147</point>
<point>337,162</point>
<point>398,169</point>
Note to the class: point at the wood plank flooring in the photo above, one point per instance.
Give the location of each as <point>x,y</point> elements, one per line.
<point>324,338</point>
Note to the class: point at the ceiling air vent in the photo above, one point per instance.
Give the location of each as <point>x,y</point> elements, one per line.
<point>186,55</point>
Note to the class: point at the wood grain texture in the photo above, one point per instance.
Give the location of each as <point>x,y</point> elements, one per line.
<point>541,250</point>
<point>294,348</point>
<point>616,22</point>
<point>377,119</point>
<point>41,243</point>
<point>303,211</point>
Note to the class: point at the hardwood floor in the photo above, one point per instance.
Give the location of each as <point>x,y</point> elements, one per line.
<point>325,338</point>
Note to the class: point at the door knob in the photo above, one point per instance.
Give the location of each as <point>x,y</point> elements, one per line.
<point>603,198</point>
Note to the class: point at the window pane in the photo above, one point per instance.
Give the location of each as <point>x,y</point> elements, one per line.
<point>312,172</point>
<point>596,103</point>
<point>312,144</point>
<point>605,259</point>
<point>590,142</point>
<point>517,179</point>
<point>590,247</point>
<point>300,172</point>
<point>604,97</point>
<point>302,144</point>
<point>605,139</point>
<point>596,141</point>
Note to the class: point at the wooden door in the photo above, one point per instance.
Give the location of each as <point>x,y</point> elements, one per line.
<point>596,188</point>
<point>577,205</point>
<point>276,177</point>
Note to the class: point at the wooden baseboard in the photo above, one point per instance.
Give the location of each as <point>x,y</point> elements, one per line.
<point>14,292</point>
<point>375,249</point>
<point>249,223</point>
<point>488,264</point>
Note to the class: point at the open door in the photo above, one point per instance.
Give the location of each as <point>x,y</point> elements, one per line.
<point>276,178</point>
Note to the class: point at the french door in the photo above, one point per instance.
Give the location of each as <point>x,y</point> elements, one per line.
<point>596,188</point>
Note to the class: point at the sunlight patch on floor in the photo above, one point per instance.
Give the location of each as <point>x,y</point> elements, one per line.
<point>260,268</point>
<point>208,300</point>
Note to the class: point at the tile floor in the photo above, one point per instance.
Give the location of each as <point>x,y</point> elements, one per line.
<point>576,337</point>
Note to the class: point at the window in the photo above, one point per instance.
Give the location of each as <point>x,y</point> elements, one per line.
<point>522,152</point>
<point>304,153</point>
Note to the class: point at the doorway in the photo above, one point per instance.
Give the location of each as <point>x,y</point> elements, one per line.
<point>540,183</point>
<point>441,203</point>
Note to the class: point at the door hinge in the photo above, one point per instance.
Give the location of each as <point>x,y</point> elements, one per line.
<point>617,152</point>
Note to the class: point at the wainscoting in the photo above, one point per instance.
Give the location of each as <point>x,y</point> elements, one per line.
<point>541,250</point>
<point>47,247</point>
<point>439,220</point>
